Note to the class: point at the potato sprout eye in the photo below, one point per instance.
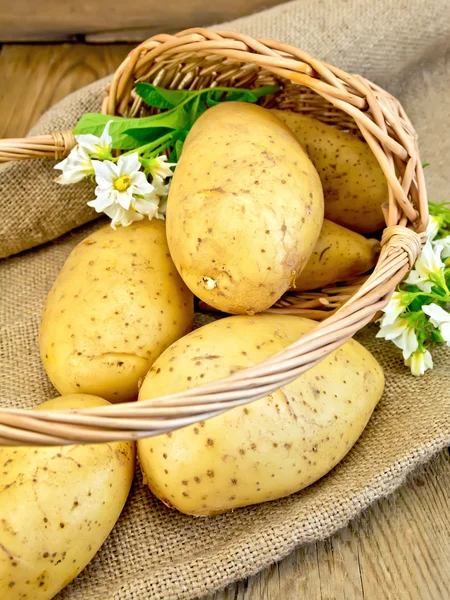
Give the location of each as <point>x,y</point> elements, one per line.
<point>209,283</point>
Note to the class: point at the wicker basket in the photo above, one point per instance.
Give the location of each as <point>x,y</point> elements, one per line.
<point>197,58</point>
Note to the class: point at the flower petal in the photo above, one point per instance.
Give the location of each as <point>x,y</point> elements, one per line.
<point>162,209</point>
<point>121,216</point>
<point>88,142</point>
<point>395,307</point>
<point>421,282</point>
<point>62,165</point>
<point>128,165</point>
<point>410,343</point>
<point>105,173</point>
<point>146,207</point>
<point>125,198</point>
<point>432,228</point>
<point>114,212</point>
<point>75,167</point>
<point>429,261</point>
<point>141,185</point>
<point>394,330</point>
<point>105,138</point>
<point>419,362</point>
<point>437,314</point>
<point>72,176</point>
<point>159,167</point>
<point>445,332</point>
<point>444,246</point>
<point>101,202</point>
<point>161,188</point>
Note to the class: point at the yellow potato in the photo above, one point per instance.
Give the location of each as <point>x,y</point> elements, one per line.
<point>270,448</point>
<point>57,507</point>
<point>117,303</point>
<point>340,254</point>
<point>245,208</point>
<point>353,183</point>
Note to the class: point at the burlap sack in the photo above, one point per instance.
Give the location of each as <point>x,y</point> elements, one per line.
<point>154,553</point>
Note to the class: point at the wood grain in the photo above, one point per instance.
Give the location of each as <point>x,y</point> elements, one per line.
<point>399,549</point>
<point>34,77</point>
<point>56,20</point>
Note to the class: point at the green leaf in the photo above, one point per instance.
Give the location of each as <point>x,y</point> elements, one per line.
<point>177,140</point>
<point>216,95</point>
<point>442,213</point>
<point>425,164</point>
<point>126,132</point>
<point>173,156</point>
<point>195,109</point>
<point>134,138</point>
<point>265,90</point>
<point>178,148</point>
<point>159,97</point>
<point>180,134</point>
<point>185,107</point>
<point>93,123</point>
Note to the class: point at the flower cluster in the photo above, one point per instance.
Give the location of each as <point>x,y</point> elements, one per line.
<point>417,317</point>
<point>123,190</point>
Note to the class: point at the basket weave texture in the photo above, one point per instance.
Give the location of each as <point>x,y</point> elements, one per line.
<point>195,59</point>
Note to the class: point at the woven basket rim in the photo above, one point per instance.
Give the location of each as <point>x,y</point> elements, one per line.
<point>386,128</point>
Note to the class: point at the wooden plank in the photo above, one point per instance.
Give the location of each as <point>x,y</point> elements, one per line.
<point>54,20</point>
<point>399,548</point>
<point>35,77</point>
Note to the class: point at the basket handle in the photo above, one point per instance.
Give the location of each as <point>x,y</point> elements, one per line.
<point>55,145</point>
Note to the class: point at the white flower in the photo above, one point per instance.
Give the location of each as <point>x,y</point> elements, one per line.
<point>443,246</point>
<point>419,362</point>
<point>75,167</point>
<point>401,334</point>
<point>118,183</point>
<point>97,147</point>
<point>120,216</point>
<point>162,208</point>
<point>123,192</point>
<point>439,318</point>
<point>159,168</point>
<point>162,191</point>
<point>161,188</point>
<point>429,262</point>
<point>433,228</point>
<point>395,307</point>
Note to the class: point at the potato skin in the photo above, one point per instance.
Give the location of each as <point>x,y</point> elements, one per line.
<point>117,303</point>
<point>245,208</point>
<point>57,506</point>
<point>340,254</point>
<point>270,448</point>
<point>353,183</point>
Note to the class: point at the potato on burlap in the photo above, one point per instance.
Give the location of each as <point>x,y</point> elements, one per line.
<point>57,506</point>
<point>270,448</point>
<point>353,183</point>
<point>117,303</point>
<point>340,254</point>
<point>245,208</point>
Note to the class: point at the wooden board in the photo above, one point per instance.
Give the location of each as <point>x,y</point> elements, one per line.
<point>400,547</point>
<point>51,20</point>
<point>34,77</point>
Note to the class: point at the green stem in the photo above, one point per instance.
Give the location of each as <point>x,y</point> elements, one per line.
<point>160,149</point>
<point>151,145</point>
